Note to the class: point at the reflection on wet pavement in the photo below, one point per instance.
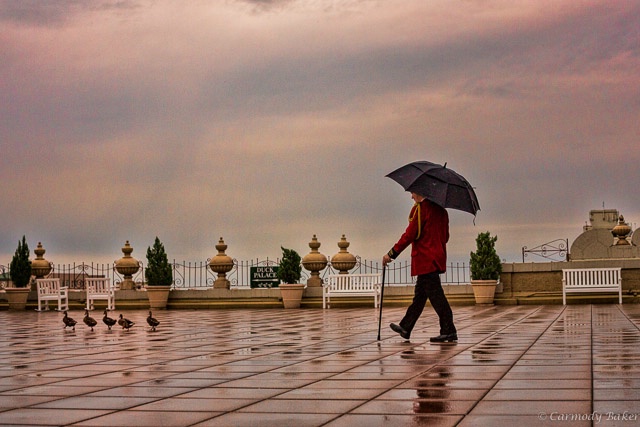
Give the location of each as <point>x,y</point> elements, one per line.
<point>527,365</point>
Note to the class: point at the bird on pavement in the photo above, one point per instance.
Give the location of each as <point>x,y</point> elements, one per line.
<point>88,320</point>
<point>125,323</point>
<point>108,320</point>
<point>68,321</point>
<point>152,321</point>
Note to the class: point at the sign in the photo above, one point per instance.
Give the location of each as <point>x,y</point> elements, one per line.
<point>264,277</point>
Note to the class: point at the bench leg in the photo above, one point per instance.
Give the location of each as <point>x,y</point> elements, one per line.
<point>39,306</point>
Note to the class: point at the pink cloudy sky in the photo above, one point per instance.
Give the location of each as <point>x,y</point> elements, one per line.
<point>266,122</point>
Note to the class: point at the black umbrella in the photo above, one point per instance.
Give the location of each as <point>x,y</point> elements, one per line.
<point>439,184</point>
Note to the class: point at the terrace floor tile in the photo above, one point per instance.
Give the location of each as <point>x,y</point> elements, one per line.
<point>513,365</point>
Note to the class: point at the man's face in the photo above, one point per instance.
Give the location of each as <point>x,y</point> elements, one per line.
<point>416,197</point>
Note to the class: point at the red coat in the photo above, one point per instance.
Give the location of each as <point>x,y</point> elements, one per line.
<point>428,234</point>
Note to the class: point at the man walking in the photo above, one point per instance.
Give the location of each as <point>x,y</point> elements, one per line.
<point>428,234</point>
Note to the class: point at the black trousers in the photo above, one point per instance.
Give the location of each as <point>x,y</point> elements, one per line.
<point>429,288</point>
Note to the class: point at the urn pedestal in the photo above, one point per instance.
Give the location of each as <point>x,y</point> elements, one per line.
<point>343,260</point>
<point>221,264</point>
<point>620,232</point>
<point>314,261</point>
<point>40,267</point>
<point>127,266</point>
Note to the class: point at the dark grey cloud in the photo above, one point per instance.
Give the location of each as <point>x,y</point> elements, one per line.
<point>56,12</point>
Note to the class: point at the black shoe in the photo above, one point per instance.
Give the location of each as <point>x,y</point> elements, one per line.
<point>445,338</point>
<point>400,330</point>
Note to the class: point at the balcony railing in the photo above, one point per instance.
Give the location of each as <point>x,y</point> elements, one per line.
<point>198,275</point>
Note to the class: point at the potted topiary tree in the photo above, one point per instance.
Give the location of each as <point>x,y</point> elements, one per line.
<point>289,272</point>
<point>20,274</point>
<point>485,268</point>
<point>159,275</point>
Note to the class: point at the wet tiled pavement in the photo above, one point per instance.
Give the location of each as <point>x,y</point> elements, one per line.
<point>577,365</point>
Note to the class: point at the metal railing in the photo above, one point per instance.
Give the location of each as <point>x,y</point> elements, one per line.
<point>4,276</point>
<point>198,275</point>
<point>73,275</point>
<point>399,272</point>
<point>555,250</point>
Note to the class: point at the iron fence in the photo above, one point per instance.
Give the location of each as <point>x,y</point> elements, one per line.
<point>4,276</point>
<point>198,275</point>
<point>556,250</point>
<point>73,275</point>
<point>399,272</point>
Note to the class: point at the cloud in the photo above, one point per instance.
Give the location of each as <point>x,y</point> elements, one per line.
<point>58,13</point>
<point>266,122</point>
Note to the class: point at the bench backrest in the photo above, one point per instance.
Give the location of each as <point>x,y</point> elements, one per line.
<point>591,277</point>
<point>98,285</point>
<point>48,286</point>
<point>347,282</point>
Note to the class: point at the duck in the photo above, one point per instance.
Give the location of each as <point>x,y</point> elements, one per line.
<point>108,320</point>
<point>125,323</point>
<point>88,320</point>
<point>152,321</point>
<point>68,321</point>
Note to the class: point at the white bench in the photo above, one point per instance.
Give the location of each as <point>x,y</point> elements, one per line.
<point>100,288</point>
<point>347,285</point>
<point>50,290</point>
<point>591,280</point>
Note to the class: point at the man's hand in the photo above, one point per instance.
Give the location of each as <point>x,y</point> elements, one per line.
<point>386,259</point>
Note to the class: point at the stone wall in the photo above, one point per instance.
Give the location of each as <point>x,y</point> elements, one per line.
<point>531,278</point>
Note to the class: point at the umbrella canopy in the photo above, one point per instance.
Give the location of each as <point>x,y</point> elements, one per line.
<point>439,184</point>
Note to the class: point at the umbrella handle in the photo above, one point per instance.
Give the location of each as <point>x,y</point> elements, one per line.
<point>384,269</point>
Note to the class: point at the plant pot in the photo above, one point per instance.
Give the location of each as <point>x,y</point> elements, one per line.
<point>484,290</point>
<point>17,297</point>
<point>158,296</point>
<point>291,294</point>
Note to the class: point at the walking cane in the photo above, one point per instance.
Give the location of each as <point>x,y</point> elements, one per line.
<point>384,269</point>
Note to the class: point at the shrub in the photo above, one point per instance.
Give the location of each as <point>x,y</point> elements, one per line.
<point>158,271</point>
<point>485,263</point>
<point>289,269</point>
<point>20,267</point>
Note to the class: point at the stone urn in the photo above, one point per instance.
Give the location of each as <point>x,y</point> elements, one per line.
<point>221,264</point>
<point>40,267</point>
<point>314,261</point>
<point>127,266</point>
<point>621,231</point>
<point>343,260</point>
